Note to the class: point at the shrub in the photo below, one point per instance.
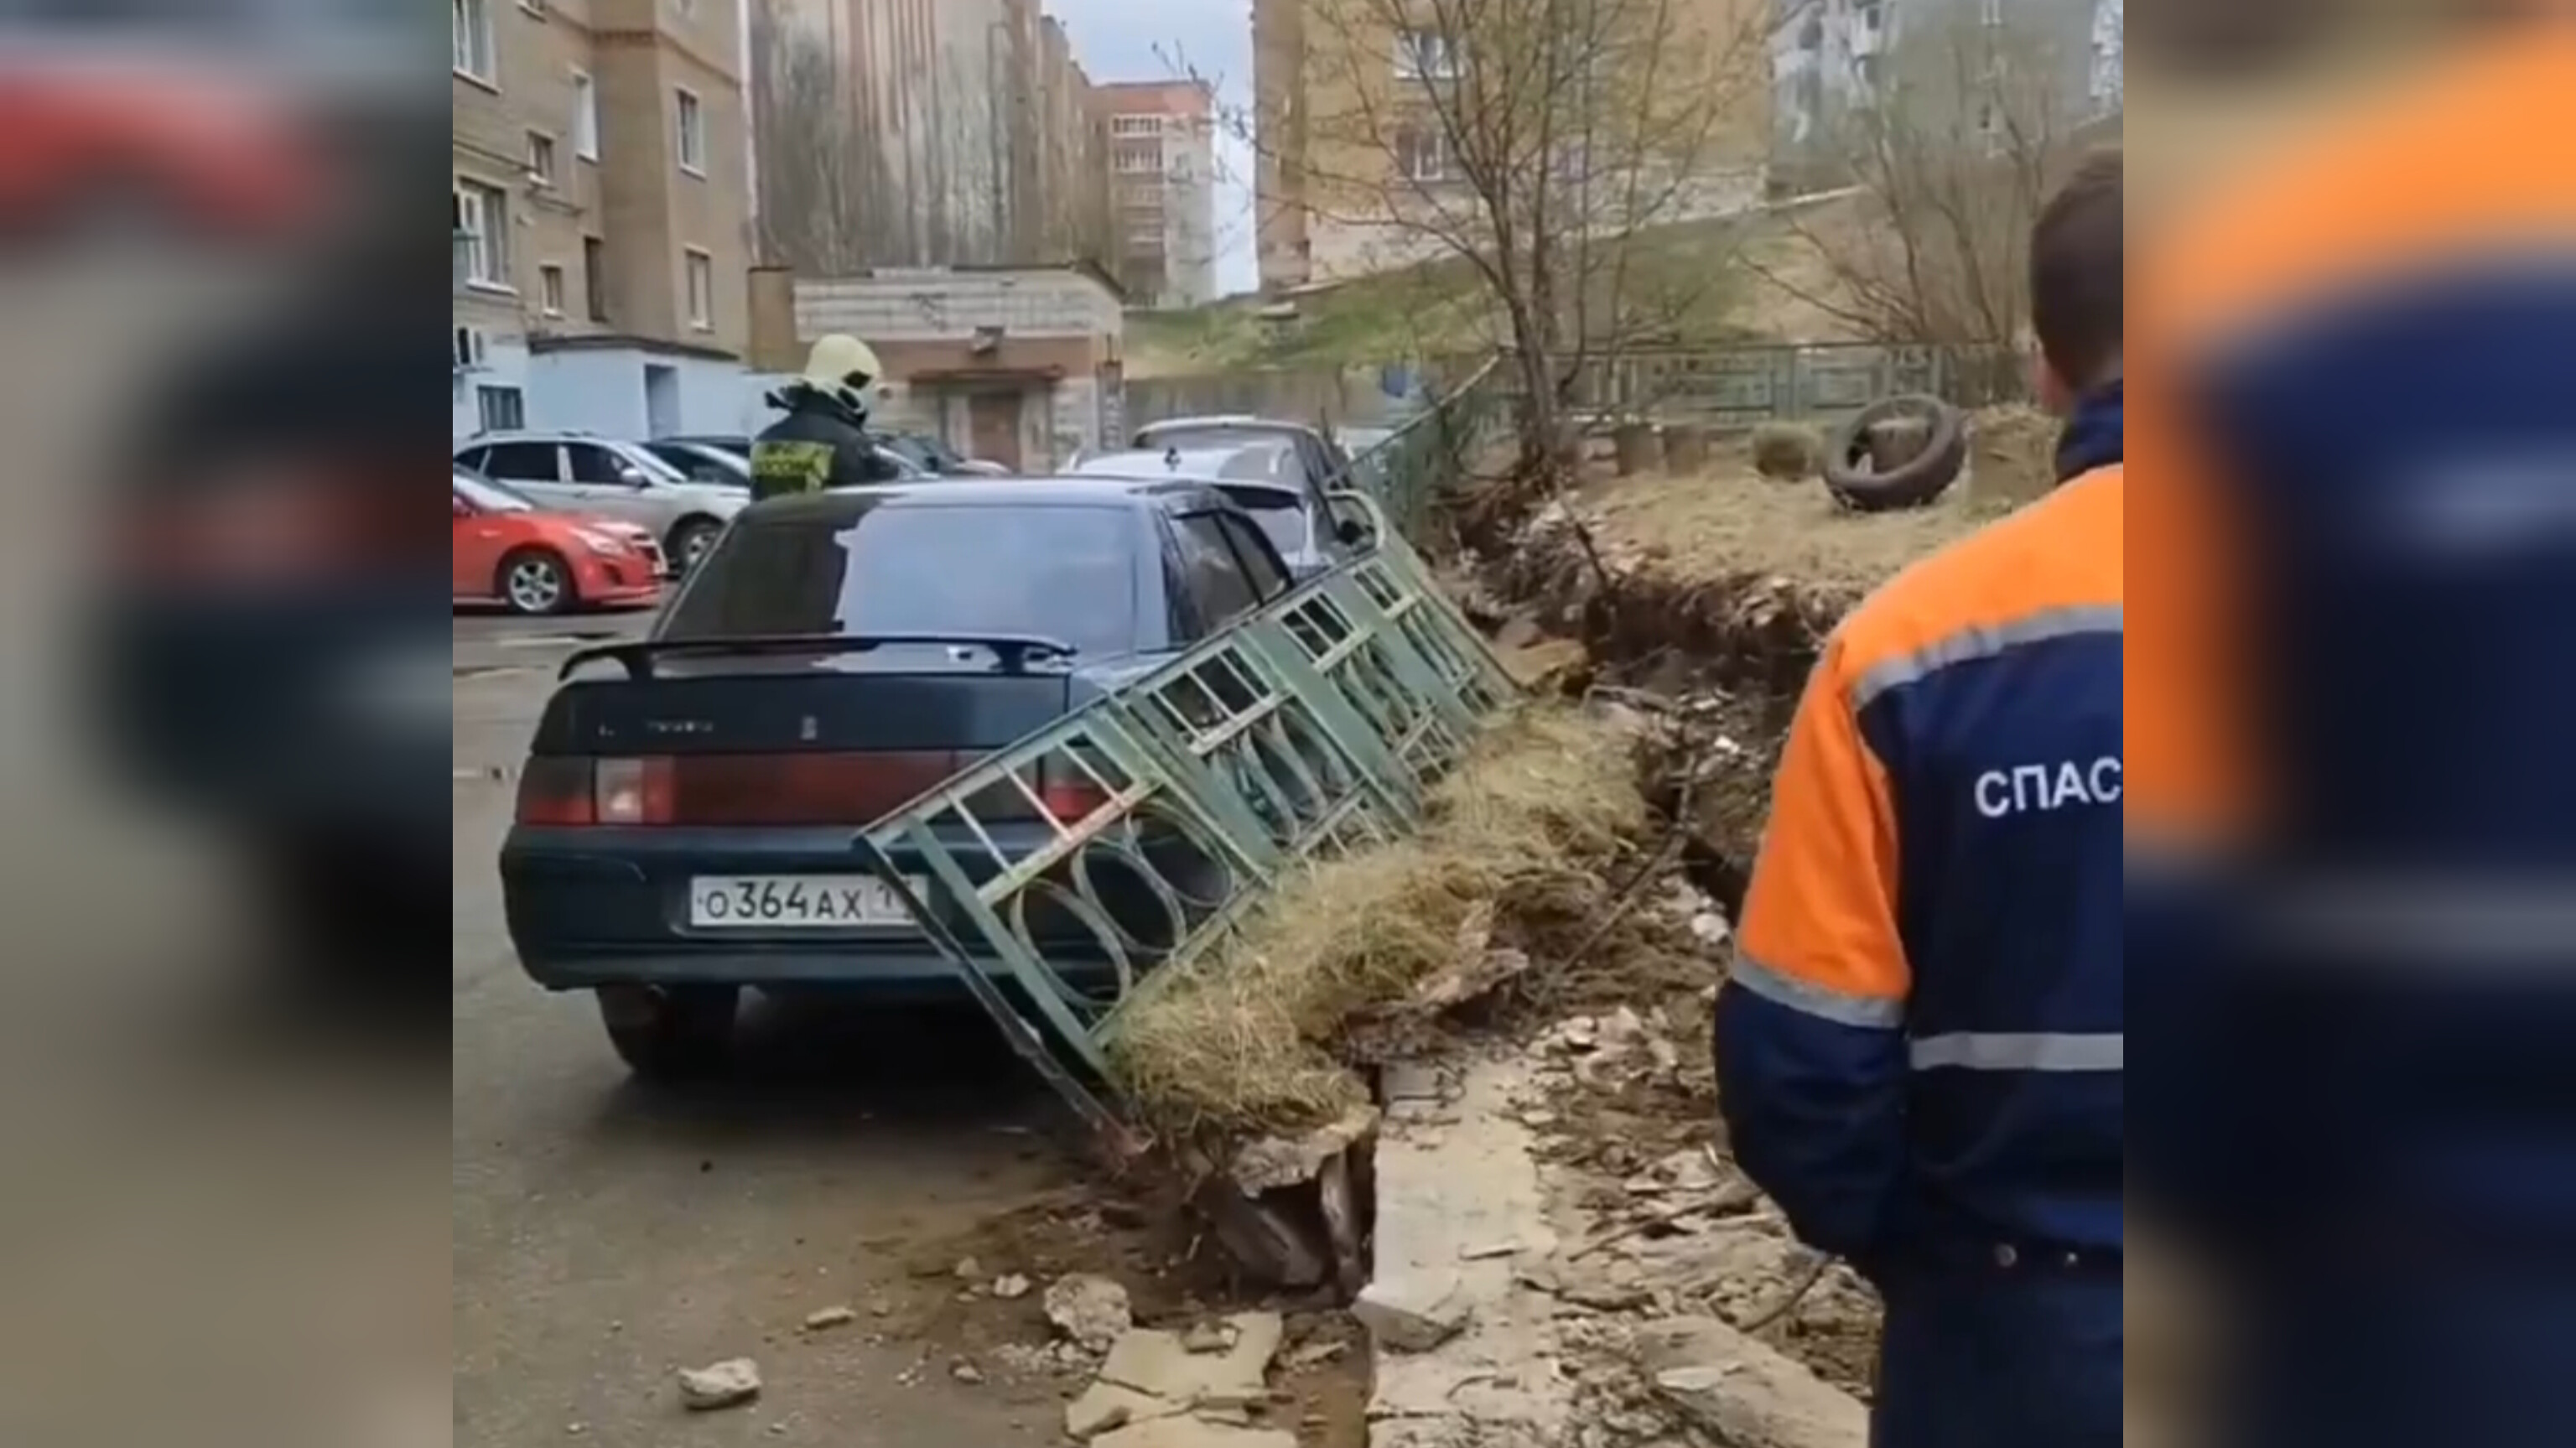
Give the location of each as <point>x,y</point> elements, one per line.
<point>1787,451</point>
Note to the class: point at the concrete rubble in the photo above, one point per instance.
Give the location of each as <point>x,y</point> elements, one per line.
<point>1195,1389</point>
<point>1092,1312</point>
<point>728,1384</point>
<point>1523,1299</point>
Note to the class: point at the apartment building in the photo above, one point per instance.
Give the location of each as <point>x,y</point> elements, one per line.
<point>599,195</point>
<point>1162,165</point>
<point>1347,141</point>
<point>1831,58</point>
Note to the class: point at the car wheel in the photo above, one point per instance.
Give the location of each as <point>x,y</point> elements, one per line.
<point>690,542</point>
<point>673,1033</point>
<point>535,582</point>
<point>1863,472</point>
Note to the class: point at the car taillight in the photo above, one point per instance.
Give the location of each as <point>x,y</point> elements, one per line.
<point>730,789</point>
<point>1071,801</point>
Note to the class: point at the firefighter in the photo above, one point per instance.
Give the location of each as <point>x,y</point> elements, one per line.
<point>1920,1047</point>
<point>823,440</point>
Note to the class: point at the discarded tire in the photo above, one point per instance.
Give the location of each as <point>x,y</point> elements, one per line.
<point>1899,452</point>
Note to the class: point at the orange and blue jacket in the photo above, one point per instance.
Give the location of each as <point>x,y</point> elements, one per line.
<point>2351,695</point>
<point>1919,1049</point>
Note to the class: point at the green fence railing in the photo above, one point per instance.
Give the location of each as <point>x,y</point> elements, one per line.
<point>1309,728</point>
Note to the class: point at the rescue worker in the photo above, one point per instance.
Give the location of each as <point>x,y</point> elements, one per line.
<point>1919,1050</point>
<point>2350,706</point>
<point>823,440</point>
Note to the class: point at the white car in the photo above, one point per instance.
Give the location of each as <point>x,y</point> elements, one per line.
<point>580,472</point>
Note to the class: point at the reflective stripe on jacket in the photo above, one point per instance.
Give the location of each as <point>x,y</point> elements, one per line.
<point>1920,1047</point>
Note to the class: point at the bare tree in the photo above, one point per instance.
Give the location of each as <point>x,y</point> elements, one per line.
<point>1539,144</point>
<point>1950,158</point>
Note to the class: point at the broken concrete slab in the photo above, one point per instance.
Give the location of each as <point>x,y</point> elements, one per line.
<point>1745,1392</point>
<point>1106,1406</point>
<point>1160,1364</point>
<point>1441,1196</point>
<point>1414,1313</point>
<point>1194,1433</point>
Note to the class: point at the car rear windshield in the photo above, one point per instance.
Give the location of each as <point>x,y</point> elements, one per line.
<point>1279,512</point>
<point>1061,571</point>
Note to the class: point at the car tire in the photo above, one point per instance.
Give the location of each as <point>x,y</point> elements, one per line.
<point>674,1033</point>
<point>535,583</point>
<point>690,539</point>
<point>1911,484</point>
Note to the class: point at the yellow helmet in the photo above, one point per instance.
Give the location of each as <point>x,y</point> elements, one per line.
<point>842,363</point>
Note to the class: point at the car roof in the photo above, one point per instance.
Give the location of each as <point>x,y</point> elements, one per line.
<point>1097,491</point>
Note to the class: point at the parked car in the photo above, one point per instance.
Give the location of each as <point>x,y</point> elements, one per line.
<point>581,472</point>
<point>935,458</point>
<point>505,549</point>
<point>704,462</point>
<point>1266,478</point>
<point>683,830</point>
<point>1325,459</point>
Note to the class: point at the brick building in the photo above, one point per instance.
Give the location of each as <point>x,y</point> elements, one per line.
<point>1348,140</point>
<point>599,194</point>
<point>1021,366</point>
<point>1162,167</point>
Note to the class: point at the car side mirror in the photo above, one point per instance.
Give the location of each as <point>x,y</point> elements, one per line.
<point>1352,532</point>
<point>632,476</point>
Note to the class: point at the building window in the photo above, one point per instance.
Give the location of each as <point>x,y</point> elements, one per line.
<point>1425,55</point>
<point>481,218</point>
<point>702,291</point>
<point>471,39</point>
<point>501,409</point>
<point>1873,16</point>
<point>585,116</point>
<point>1992,11</point>
<point>541,157</point>
<point>1136,125</point>
<point>594,277</point>
<point>550,289</point>
<point>1422,155</point>
<point>693,134</point>
<point>1136,160</point>
<point>1870,69</point>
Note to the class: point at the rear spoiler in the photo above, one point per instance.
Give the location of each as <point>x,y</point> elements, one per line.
<point>638,656</point>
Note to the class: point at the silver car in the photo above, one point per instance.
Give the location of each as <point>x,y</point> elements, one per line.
<point>586,473</point>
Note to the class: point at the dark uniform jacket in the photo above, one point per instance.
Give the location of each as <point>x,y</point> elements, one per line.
<point>819,444</point>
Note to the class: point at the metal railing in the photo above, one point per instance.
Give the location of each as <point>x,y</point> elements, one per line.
<point>1065,877</point>
<point>1432,450</point>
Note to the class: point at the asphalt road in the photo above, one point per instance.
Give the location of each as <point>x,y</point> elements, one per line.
<point>605,1234</point>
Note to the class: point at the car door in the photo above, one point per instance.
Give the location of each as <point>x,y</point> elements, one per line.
<point>599,478</point>
<point>471,557</point>
<point>534,468</point>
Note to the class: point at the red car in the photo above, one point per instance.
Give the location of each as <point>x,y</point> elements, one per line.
<point>508,551</point>
<point>90,136</point>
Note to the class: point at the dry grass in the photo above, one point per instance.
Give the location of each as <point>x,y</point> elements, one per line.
<point>1730,522</point>
<point>2012,456</point>
<point>1247,1038</point>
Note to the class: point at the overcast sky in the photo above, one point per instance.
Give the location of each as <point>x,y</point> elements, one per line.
<point>1164,39</point>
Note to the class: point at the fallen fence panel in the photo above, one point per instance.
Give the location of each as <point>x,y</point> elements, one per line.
<point>1066,875</point>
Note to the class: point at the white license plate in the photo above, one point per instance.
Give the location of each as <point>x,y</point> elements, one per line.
<point>792,902</point>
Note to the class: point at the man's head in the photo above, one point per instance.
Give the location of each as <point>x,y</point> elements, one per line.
<point>2076,281</point>
<point>843,368</point>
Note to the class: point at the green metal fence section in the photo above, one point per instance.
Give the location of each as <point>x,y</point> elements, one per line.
<point>1066,875</point>
<point>1432,450</point>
